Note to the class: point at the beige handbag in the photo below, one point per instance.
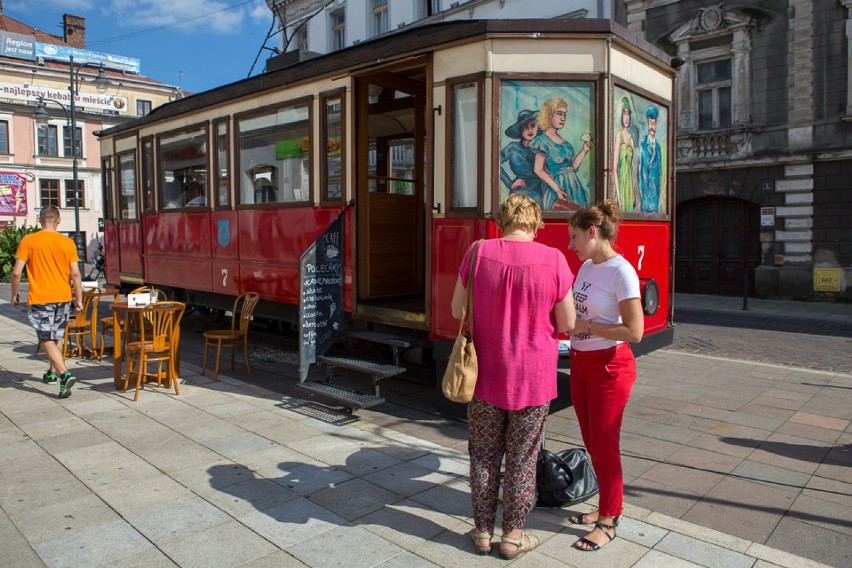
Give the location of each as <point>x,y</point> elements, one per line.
<point>460,377</point>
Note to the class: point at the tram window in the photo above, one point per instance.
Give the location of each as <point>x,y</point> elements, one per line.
<point>148,175</point>
<point>183,169</point>
<point>274,158</point>
<point>106,184</point>
<point>127,208</point>
<point>222,166</point>
<point>465,145</point>
<point>332,158</point>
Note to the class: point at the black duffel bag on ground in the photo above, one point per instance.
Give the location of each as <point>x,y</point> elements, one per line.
<point>564,478</point>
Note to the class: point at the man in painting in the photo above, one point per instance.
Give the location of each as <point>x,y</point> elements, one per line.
<point>650,165</point>
<point>517,160</point>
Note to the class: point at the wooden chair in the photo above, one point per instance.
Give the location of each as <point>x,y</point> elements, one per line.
<point>107,322</point>
<point>244,306</point>
<point>159,341</point>
<point>82,324</point>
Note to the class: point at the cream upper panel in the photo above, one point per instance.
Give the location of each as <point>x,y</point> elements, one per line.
<point>630,68</point>
<point>548,55</point>
<point>459,61</point>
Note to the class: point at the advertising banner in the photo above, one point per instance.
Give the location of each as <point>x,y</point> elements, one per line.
<point>63,53</point>
<point>18,46</point>
<point>89,101</point>
<point>13,194</point>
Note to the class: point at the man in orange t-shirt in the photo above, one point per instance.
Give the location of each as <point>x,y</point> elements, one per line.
<point>52,263</point>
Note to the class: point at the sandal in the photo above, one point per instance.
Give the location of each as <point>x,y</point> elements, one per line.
<point>474,536</point>
<point>532,541</point>
<point>581,519</point>
<point>592,545</point>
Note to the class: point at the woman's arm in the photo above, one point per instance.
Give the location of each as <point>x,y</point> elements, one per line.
<point>459,298</point>
<point>631,329</point>
<point>578,159</point>
<point>564,313</point>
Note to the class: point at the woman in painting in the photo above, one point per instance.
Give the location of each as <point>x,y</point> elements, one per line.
<point>623,161</point>
<point>517,161</point>
<point>555,160</point>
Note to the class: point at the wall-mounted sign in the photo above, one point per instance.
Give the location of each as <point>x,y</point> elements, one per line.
<point>64,53</point>
<point>767,216</point>
<point>13,194</point>
<point>18,46</point>
<point>89,101</point>
<point>826,280</point>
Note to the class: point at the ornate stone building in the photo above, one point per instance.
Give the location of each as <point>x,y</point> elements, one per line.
<point>764,146</point>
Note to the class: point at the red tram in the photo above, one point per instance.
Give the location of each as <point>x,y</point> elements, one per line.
<point>423,131</point>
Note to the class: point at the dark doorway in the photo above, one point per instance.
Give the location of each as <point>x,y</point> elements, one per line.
<point>717,238</point>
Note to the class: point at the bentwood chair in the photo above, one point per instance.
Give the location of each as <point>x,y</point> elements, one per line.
<point>107,322</point>
<point>244,306</point>
<point>81,325</point>
<point>159,340</point>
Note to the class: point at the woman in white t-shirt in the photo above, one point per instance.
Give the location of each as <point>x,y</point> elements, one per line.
<point>603,370</point>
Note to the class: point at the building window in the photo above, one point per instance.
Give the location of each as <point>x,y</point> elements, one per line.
<point>380,17</point>
<point>183,169</point>
<point>302,38</point>
<point>143,108</point>
<point>713,93</point>
<point>49,192</point>
<point>78,142</point>
<point>338,29</point>
<point>79,199</point>
<point>47,141</point>
<point>275,155</point>
<point>4,136</point>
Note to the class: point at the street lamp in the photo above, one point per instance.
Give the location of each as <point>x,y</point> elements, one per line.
<point>41,117</point>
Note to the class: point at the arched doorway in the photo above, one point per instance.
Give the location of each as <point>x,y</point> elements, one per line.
<point>717,237</point>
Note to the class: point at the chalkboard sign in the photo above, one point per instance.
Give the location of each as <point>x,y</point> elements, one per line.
<point>320,295</point>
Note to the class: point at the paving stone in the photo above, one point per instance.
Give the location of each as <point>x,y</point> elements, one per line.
<point>683,477</point>
<point>451,498</point>
<point>807,540</point>
<point>225,546</point>
<point>278,559</point>
<point>406,560</point>
<point>702,553</point>
<point>150,558</point>
<point>335,547</point>
<point>292,522</point>
<point>53,520</point>
<point>640,532</point>
<point>93,546</point>
<point>241,499</point>
<point>771,475</point>
<point>407,479</point>
<point>658,497</point>
<point>17,552</point>
<point>177,519</point>
<point>354,498</point>
<point>308,478</point>
<point>406,523</point>
<point>657,559</point>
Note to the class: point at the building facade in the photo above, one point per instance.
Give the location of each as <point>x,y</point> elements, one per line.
<point>764,146</point>
<point>36,161</point>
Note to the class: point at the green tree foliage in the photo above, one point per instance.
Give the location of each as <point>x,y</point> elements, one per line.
<point>10,238</point>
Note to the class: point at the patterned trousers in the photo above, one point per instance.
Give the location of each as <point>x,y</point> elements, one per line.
<point>494,434</point>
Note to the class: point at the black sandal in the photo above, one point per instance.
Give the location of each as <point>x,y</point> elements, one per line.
<point>593,546</point>
<point>578,519</point>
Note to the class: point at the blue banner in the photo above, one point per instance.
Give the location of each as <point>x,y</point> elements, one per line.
<point>63,53</point>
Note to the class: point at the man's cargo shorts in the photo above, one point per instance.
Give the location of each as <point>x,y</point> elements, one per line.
<point>49,320</point>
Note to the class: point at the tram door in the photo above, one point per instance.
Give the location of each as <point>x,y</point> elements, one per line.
<point>390,137</point>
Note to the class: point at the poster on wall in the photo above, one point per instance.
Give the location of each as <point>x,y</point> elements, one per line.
<point>640,153</point>
<point>13,194</point>
<point>547,142</point>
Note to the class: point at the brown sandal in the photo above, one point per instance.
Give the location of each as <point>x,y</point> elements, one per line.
<point>474,536</point>
<point>520,545</point>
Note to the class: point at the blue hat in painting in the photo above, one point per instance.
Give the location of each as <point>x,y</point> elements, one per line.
<point>652,112</point>
<point>524,117</point>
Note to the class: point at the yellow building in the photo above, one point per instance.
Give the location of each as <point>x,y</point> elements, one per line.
<point>38,73</point>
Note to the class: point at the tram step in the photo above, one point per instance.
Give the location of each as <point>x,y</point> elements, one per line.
<point>392,339</point>
<point>349,398</point>
<point>377,370</point>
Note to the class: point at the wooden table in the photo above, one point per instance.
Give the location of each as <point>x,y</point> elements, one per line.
<point>123,311</point>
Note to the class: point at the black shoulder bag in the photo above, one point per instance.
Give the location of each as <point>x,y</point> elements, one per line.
<point>564,478</point>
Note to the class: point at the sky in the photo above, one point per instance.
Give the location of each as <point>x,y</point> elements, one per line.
<point>196,45</point>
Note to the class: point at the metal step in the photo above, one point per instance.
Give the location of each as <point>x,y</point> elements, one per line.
<point>351,399</point>
<point>392,339</point>
<point>377,370</point>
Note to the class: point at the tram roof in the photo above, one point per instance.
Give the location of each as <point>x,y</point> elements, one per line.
<point>386,48</point>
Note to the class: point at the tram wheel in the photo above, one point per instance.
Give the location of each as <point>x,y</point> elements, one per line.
<point>211,315</point>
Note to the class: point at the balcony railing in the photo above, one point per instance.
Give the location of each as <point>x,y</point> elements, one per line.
<point>714,146</point>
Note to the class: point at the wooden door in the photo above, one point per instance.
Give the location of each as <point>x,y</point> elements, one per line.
<point>717,240</point>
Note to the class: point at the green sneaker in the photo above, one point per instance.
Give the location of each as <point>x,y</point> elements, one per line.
<point>50,377</point>
<point>66,381</point>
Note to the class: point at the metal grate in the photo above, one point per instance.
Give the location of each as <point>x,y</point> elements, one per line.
<point>347,397</point>
<point>377,370</point>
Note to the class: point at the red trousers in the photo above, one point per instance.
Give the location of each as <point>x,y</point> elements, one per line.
<point>601,382</point>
